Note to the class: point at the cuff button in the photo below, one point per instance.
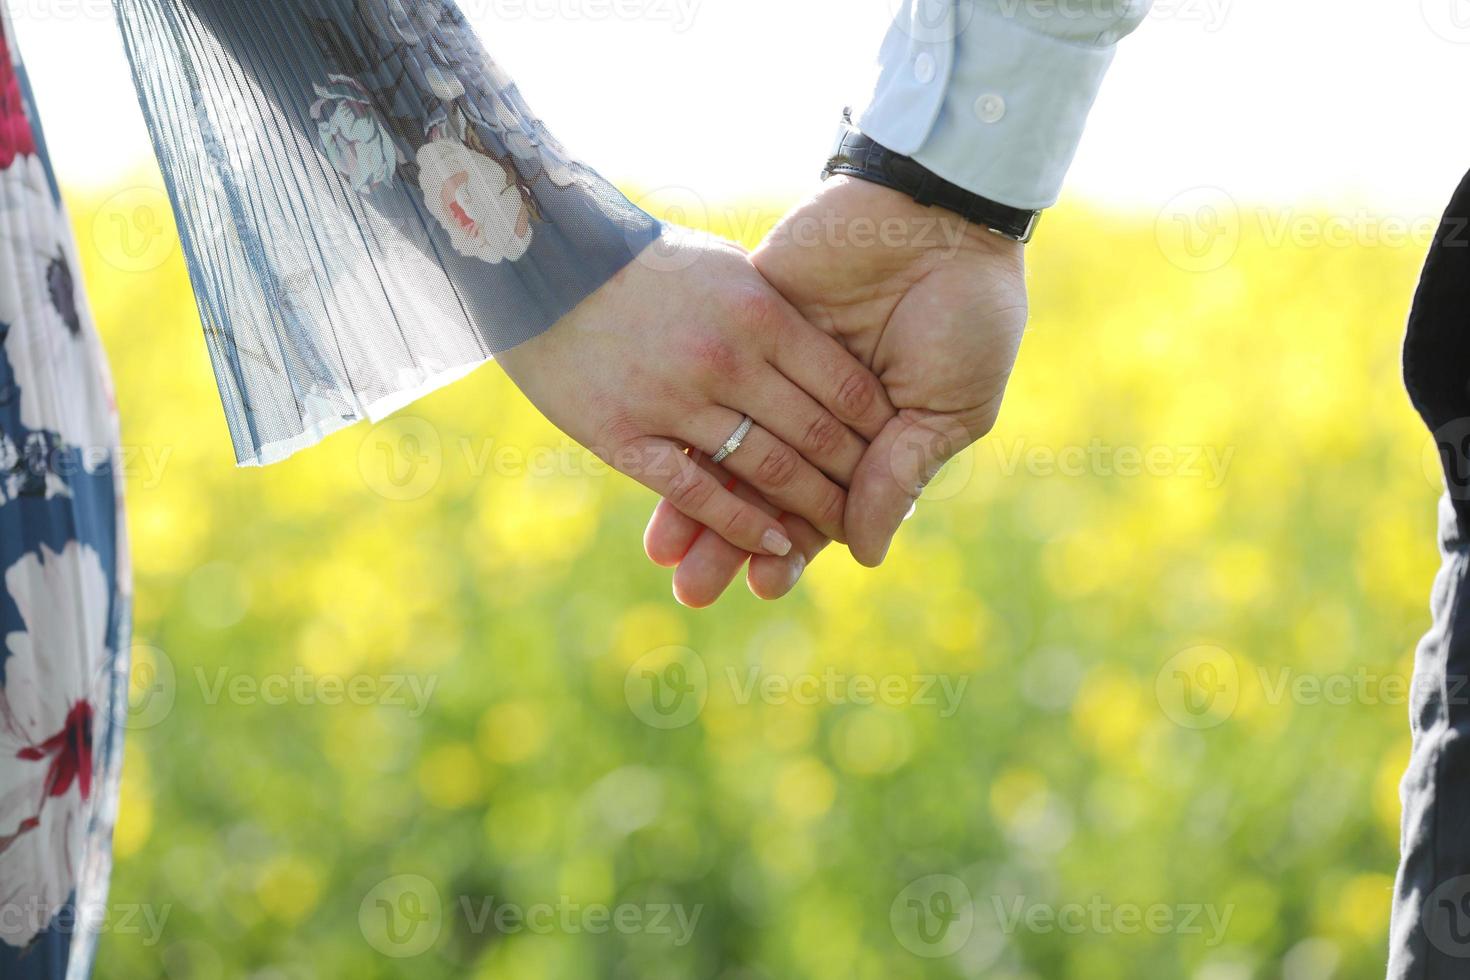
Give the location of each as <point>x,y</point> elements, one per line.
<point>925,69</point>
<point>990,108</point>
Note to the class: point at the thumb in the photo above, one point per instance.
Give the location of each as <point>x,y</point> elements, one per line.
<point>908,453</point>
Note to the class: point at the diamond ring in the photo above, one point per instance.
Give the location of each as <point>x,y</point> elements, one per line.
<point>733,443</point>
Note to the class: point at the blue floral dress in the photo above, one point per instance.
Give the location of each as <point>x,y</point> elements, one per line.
<point>368,208</point>
<point>63,568</point>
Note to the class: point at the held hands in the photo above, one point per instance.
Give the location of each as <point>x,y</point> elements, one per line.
<point>670,356</point>
<point>935,307</point>
<point>869,338</point>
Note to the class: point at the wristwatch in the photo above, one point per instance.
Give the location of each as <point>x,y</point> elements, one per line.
<point>856,155</point>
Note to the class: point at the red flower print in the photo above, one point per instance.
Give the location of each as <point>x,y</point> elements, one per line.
<point>16,138</point>
<point>54,675</point>
<point>69,753</point>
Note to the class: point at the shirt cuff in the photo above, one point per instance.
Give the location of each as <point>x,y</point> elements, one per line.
<point>1004,115</point>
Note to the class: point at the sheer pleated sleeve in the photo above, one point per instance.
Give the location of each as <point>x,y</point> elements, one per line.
<point>367,206</point>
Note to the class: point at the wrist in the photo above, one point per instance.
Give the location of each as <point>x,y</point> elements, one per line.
<point>859,156</point>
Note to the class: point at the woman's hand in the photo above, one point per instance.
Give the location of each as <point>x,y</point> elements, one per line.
<point>671,353</point>
<point>936,309</point>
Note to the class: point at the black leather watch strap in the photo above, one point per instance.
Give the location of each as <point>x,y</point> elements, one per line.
<point>856,155</point>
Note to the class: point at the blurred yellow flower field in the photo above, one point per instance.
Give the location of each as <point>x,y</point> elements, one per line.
<point>1127,701</point>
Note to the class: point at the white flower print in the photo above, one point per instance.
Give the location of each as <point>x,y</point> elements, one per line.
<point>476,201</point>
<point>49,708</point>
<point>352,135</point>
<point>51,343</point>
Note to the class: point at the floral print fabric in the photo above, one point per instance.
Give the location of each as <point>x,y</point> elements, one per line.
<point>368,205</point>
<point>63,571</point>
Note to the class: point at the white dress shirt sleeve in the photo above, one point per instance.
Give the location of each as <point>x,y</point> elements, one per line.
<point>993,95</point>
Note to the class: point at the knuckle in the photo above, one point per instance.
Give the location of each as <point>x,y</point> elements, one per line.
<point>688,491</point>
<point>857,394</point>
<point>824,435</point>
<point>713,357</point>
<point>737,526</point>
<point>778,468</point>
<point>754,308</point>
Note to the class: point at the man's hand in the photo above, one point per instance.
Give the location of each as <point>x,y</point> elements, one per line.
<point>934,306</point>
<point>669,356</point>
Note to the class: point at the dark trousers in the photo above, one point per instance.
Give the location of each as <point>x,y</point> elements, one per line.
<point>1430,935</point>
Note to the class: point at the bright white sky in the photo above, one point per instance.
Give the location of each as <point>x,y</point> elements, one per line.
<point>1344,103</point>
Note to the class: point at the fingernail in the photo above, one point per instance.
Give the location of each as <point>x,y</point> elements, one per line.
<point>794,568</point>
<point>776,543</point>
